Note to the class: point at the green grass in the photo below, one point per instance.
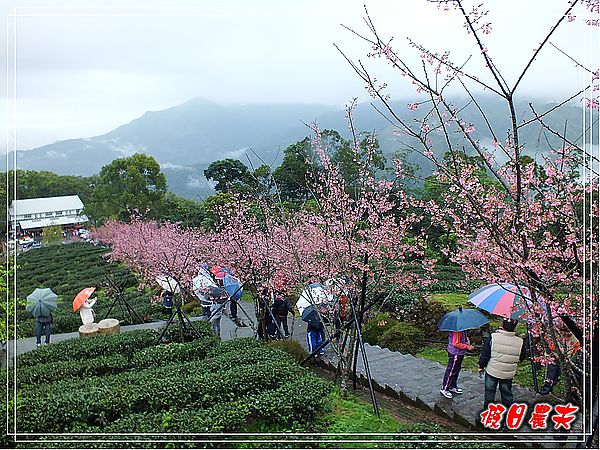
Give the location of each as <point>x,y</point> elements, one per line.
<point>451,301</point>
<point>352,415</point>
<point>441,356</point>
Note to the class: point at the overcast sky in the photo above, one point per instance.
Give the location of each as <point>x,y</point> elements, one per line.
<point>83,70</point>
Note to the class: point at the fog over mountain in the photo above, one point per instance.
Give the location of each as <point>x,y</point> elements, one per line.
<point>186,138</point>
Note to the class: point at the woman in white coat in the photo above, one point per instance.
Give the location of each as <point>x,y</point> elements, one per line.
<point>86,312</point>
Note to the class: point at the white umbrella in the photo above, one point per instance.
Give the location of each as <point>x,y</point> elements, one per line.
<point>201,283</point>
<point>168,284</point>
<point>302,304</point>
<point>315,294</point>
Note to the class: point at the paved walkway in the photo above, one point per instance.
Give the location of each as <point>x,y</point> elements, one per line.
<point>408,378</point>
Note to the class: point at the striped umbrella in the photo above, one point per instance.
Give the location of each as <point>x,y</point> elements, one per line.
<point>503,299</point>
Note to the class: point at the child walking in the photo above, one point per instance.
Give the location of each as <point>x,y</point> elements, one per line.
<point>458,344</point>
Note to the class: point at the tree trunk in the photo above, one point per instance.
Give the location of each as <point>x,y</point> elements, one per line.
<point>343,375</point>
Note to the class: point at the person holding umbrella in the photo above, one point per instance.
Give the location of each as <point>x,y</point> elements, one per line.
<point>314,329</point>
<point>457,322</point>
<point>41,303</point>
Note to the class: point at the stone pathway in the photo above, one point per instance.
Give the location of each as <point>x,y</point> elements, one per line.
<point>408,378</point>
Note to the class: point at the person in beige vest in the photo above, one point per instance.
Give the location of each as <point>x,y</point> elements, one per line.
<point>500,354</point>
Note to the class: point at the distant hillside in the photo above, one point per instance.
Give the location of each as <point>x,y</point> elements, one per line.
<point>186,138</point>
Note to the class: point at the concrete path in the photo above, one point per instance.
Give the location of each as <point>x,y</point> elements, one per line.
<point>408,378</point>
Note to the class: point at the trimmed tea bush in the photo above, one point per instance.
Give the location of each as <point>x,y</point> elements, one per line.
<point>292,347</point>
<point>404,338</point>
<point>104,345</point>
<point>173,333</point>
<point>235,371</point>
<point>174,352</point>
<point>80,368</point>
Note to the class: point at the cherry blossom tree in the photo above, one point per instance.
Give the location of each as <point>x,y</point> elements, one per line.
<point>364,238</point>
<point>517,219</point>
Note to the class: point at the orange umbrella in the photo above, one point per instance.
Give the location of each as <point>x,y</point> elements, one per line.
<point>83,295</point>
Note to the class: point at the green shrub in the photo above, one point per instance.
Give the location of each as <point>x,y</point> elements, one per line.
<point>403,337</point>
<point>75,349</point>
<point>160,355</point>
<point>190,306</point>
<point>375,327</point>
<point>235,346</point>
<point>292,347</point>
<point>425,315</point>
<point>296,401</point>
<point>173,333</point>
<point>82,368</point>
<point>56,407</point>
<point>402,300</point>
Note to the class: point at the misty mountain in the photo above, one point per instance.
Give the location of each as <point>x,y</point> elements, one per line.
<point>186,138</point>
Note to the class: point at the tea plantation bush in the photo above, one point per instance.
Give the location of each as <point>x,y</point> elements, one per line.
<point>290,346</point>
<point>78,349</point>
<point>66,269</point>
<point>126,384</point>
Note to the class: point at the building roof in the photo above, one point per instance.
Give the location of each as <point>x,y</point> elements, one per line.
<point>41,223</point>
<point>47,204</point>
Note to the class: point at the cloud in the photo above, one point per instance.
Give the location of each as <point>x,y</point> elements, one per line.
<point>175,166</point>
<point>196,182</point>
<point>125,149</point>
<point>235,154</point>
<point>55,154</point>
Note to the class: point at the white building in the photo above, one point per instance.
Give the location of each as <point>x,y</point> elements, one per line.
<point>33,214</point>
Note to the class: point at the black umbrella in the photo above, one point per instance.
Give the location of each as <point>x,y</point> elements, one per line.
<point>310,316</point>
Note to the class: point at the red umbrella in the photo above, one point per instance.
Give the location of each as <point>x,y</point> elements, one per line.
<point>220,272</point>
<point>83,295</point>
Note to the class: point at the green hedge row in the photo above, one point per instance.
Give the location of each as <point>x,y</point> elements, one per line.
<point>102,400</point>
<point>156,356</point>
<point>79,368</point>
<point>296,403</point>
<point>74,349</point>
<point>174,352</point>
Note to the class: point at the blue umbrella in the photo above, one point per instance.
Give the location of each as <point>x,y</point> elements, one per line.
<point>462,319</point>
<point>232,286</point>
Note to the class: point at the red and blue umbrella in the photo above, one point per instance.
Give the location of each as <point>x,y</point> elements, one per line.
<point>220,272</point>
<point>503,299</point>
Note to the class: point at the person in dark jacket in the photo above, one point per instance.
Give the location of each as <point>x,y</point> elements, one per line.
<point>500,354</point>
<point>314,337</point>
<point>458,344</point>
<point>265,324</point>
<point>281,307</point>
<point>167,297</point>
<point>43,323</point>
